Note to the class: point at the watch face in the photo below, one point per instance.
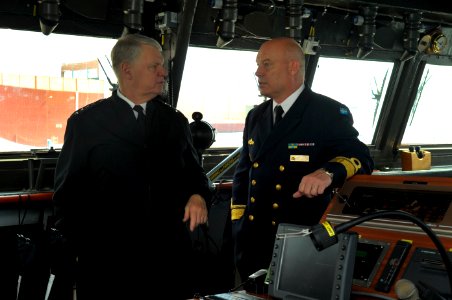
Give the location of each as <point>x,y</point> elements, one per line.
<point>328,173</point>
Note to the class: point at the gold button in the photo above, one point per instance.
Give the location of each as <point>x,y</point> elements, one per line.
<point>253,182</point>
<point>273,223</point>
<point>281,168</point>
<point>253,199</point>
<point>275,205</point>
<point>251,217</point>
<point>255,165</point>
<point>278,187</point>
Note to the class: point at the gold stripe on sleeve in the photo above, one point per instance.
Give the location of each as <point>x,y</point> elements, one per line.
<point>237,211</point>
<point>351,165</point>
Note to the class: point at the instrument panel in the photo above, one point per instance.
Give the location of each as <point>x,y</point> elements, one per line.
<point>393,249</point>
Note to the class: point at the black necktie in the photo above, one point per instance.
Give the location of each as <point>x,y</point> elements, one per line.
<point>278,113</point>
<point>141,119</point>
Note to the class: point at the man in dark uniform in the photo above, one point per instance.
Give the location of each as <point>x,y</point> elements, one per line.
<point>289,164</point>
<point>126,196</point>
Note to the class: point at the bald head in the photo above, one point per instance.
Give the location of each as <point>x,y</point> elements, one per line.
<point>280,68</point>
<point>289,47</point>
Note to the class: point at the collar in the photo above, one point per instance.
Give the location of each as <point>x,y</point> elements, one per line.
<point>289,101</point>
<point>120,95</point>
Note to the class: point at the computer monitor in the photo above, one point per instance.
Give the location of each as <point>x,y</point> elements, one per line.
<point>299,271</point>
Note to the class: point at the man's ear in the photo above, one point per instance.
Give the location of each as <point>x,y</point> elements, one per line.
<point>126,70</point>
<point>294,67</point>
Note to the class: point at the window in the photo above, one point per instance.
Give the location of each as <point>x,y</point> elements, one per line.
<point>43,79</point>
<point>433,99</point>
<point>40,89</point>
<point>221,85</point>
<point>361,85</point>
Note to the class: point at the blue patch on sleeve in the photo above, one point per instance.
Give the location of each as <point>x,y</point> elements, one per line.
<point>343,111</point>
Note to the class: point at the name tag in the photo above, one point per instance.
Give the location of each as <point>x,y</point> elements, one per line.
<point>299,158</point>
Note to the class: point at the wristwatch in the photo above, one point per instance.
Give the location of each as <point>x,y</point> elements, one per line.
<point>328,173</point>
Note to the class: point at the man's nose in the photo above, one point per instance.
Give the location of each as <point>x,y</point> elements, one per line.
<point>258,72</point>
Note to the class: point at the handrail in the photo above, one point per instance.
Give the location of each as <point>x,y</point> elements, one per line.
<point>216,172</point>
<point>9,198</point>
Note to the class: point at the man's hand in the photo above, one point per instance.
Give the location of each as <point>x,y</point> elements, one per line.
<point>195,211</point>
<point>313,184</point>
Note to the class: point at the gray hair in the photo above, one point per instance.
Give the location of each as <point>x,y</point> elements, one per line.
<point>127,49</point>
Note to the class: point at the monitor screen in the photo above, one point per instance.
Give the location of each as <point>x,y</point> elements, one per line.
<point>299,271</point>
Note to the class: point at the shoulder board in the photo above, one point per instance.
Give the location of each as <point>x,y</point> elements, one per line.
<point>89,107</point>
<point>165,104</point>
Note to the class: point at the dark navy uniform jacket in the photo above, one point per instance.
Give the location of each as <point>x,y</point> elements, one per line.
<point>120,196</point>
<point>316,132</point>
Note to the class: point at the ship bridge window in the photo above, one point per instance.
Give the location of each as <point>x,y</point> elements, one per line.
<point>429,119</point>
<point>221,85</point>
<point>359,84</point>
<point>43,80</point>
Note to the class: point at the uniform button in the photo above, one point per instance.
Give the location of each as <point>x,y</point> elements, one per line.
<point>253,182</point>
<point>273,223</point>
<point>255,165</point>
<point>252,199</point>
<point>278,187</point>
<point>281,168</point>
<point>251,217</point>
<point>275,205</point>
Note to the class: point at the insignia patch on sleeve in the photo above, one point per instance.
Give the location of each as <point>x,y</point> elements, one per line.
<point>343,111</point>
